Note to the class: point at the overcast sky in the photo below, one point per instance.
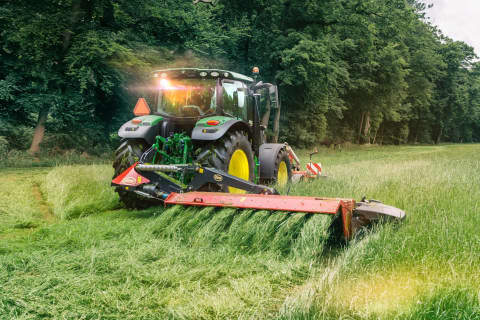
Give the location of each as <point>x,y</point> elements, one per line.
<point>458,19</point>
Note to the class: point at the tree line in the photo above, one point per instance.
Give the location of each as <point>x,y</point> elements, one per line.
<point>362,71</point>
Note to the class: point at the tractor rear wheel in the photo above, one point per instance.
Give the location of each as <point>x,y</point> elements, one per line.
<point>129,152</point>
<point>234,155</point>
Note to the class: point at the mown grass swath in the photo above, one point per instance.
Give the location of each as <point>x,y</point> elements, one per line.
<point>225,263</point>
<point>75,191</point>
<point>19,193</point>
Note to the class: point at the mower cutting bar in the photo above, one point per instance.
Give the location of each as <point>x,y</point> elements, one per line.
<point>260,202</point>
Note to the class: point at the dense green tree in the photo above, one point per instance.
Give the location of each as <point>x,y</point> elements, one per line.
<point>368,71</point>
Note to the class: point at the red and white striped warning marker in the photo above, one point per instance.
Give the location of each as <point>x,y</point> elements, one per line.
<point>314,168</point>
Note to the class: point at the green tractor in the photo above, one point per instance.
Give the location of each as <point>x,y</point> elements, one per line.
<point>206,117</point>
<point>199,141</point>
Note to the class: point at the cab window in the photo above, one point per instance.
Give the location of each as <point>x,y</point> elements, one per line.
<point>186,97</point>
<point>234,98</point>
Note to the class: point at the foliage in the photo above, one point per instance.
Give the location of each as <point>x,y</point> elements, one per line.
<point>358,71</point>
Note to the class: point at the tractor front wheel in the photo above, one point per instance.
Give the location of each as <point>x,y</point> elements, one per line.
<point>129,152</point>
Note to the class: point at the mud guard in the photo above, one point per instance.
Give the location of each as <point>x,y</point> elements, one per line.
<point>267,157</point>
<point>205,132</point>
<point>146,128</point>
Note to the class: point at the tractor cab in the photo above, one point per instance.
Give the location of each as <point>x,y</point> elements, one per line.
<point>199,93</point>
<point>185,99</point>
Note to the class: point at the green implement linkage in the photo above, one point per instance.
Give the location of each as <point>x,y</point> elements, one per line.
<point>176,149</point>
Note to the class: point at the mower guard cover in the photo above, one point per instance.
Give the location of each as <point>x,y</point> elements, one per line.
<point>259,202</point>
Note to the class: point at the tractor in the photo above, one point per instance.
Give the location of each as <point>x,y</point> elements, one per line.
<point>200,138</point>
<point>209,117</point>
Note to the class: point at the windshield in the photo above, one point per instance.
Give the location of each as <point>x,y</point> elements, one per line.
<point>186,97</point>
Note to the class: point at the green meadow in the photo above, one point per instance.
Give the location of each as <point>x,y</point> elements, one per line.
<point>68,250</point>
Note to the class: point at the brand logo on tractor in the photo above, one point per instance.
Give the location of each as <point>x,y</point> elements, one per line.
<point>217,177</point>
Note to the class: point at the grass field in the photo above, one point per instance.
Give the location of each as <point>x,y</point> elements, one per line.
<point>69,251</point>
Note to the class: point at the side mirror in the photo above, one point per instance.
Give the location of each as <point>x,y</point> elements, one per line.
<point>273,93</point>
<point>261,85</point>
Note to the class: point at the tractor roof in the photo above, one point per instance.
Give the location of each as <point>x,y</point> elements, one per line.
<point>196,72</point>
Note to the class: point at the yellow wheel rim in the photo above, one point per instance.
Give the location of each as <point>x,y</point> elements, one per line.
<point>282,175</point>
<point>239,168</point>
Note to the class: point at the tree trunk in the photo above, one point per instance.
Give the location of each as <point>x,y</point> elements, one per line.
<point>276,124</point>
<point>380,139</point>
<point>39,131</point>
<point>437,141</point>
<point>366,130</point>
<point>375,136</point>
<point>74,18</point>
<point>360,128</point>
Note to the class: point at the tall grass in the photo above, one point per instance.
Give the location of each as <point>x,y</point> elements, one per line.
<point>212,263</point>
<point>438,248</point>
<point>246,231</point>
<point>133,265</point>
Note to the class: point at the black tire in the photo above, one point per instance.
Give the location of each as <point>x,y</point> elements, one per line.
<point>222,152</point>
<point>282,156</point>
<point>129,152</point>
